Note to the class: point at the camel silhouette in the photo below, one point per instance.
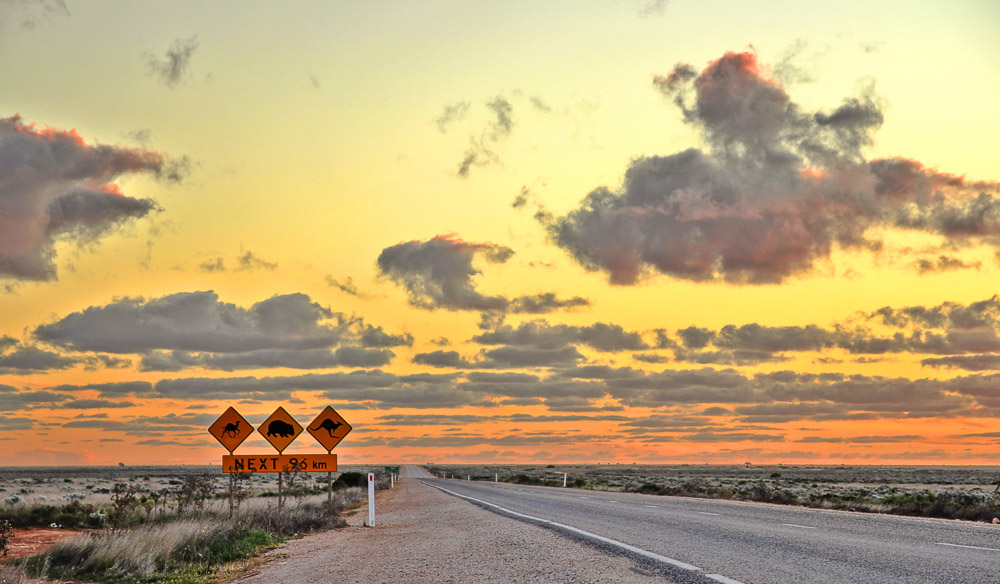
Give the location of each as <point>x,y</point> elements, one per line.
<point>232,429</point>
<point>328,425</point>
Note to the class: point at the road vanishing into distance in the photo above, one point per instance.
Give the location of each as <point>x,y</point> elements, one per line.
<point>751,543</point>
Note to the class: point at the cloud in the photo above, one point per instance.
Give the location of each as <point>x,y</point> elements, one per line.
<point>33,12</point>
<point>452,112</point>
<point>539,334</point>
<point>55,187</point>
<point>944,263</point>
<point>20,359</point>
<point>21,400</point>
<point>545,303</point>
<point>197,330</point>
<point>480,151</point>
<point>653,8</point>
<point>347,286</point>
<point>778,189</point>
<point>173,66</point>
<point>267,358</point>
<point>249,261</point>
<point>438,273</point>
<point>9,424</point>
<point>196,321</point>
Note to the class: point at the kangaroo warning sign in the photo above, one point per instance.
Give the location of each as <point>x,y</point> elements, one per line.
<point>280,429</point>
<point>231,429</point>
<point>329,428</point>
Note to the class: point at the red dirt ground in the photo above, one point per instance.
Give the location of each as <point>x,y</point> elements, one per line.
<point>35,540</point>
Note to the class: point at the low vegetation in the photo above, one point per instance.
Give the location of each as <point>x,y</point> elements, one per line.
<point>971,493</point>
<point>181,532</point>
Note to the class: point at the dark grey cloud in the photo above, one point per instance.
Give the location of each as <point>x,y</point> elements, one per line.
<point>778,189</point>
<point>173,66</point>
<point>439,273</point>
<point>481,146</point>
<point>25,358</point>
<point>31,13</point>
<point>267,358</point>
<point>197,329</point>
<point>541,335</point>
<point>944,263</point>
<point>983,362</point>
<point>516,357</point>
<point>453,112</point>
<point>22,400</point>
<point>452,359</point>
<point>545,303</point>
<point>95,404</point>
<point>112,390</point>
<point>374,336</point>
<point>10,423</point>
<point>250,261</point>
<point>54,187</point>
<point>347,286</point>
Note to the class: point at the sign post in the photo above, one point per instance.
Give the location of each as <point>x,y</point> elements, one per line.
<point>280,429</point>
<point>231,429</point>
<point>371,499</point>
<point>329,428</point>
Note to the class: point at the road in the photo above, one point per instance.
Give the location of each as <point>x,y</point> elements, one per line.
<point>757,543</point>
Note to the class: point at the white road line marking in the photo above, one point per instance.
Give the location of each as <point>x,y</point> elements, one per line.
<point>707,513</point>
<point>723,579</point>
<point>971,547</point>
<point>799,526</point>
<point>653,506</point>
<point>600,538</point>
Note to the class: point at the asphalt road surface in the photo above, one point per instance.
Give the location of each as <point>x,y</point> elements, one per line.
<point>753,543</point>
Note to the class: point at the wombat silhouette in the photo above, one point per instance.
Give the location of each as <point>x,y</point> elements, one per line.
<point>232,429</point>
<point>329,425</point>
<point>279,428</point>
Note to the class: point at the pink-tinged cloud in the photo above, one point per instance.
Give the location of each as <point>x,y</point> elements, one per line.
<point>777,189</point>
<point>54,186</point>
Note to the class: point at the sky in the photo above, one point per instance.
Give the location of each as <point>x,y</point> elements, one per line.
<point>631,231</point>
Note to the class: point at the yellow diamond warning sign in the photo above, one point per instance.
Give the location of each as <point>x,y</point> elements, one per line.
<point>280,429</point>
<point>231,429</point>
<point>329,428</point>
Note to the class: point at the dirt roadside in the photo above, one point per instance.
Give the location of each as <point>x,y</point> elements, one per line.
<point>424,535</point>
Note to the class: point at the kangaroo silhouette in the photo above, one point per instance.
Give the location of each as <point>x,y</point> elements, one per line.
<point>232,429</point>
<point>280,428</point>
<point>329,425</point>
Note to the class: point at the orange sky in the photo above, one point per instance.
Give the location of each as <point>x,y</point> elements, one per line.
<point>632,232</point>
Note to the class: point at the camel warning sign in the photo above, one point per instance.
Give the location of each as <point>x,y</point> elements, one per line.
<point>231,429</point>
<point>329,428</point>
<point>280,429</point>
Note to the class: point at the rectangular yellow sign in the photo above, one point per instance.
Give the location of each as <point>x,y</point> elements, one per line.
<point>279,462</point>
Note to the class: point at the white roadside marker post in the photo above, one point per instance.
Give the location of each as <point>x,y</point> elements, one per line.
<point>564,480</point>
<point>496,479</point>
<point>371,499</point>
<point>392,481</point>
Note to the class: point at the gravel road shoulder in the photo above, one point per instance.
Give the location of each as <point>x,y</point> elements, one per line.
<point>424,535</point>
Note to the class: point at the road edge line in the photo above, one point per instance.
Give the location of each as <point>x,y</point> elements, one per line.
<point>600,538</point>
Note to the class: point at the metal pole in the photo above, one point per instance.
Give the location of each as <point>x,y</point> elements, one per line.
<point>329,487</point>
<point>371,499</point>
<point>280,483</point>
<point>564,480</point>
<point>231,495</point>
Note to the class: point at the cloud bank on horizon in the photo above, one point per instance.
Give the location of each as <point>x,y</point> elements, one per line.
<point>777,190</point>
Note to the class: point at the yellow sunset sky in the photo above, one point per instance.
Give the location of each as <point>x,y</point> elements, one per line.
<point>512,232</point>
